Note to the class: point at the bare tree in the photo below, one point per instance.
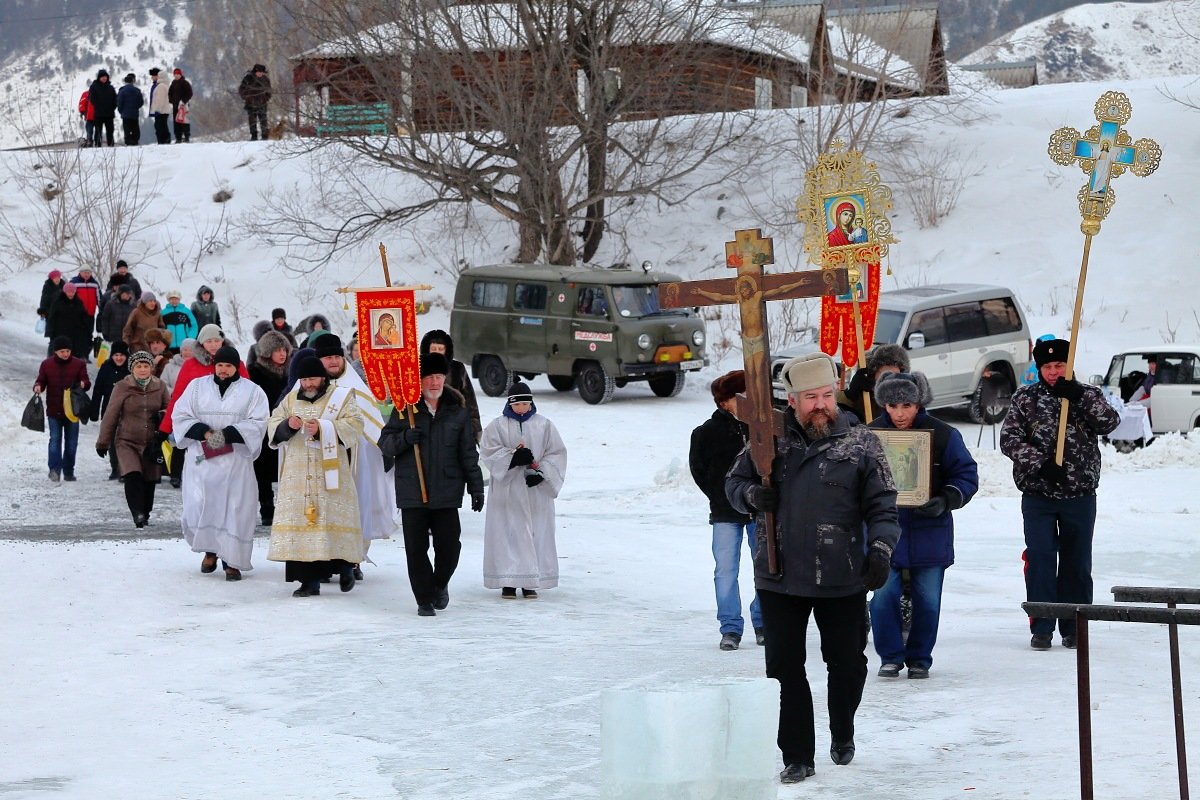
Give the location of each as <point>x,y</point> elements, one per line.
<point>545,112</point>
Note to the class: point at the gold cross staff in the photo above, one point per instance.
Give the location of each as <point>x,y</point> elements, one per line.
<point>1104,153</point>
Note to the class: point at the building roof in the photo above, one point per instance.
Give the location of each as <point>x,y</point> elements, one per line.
<point>1014,74</point>
<point>495,26</point>
<point>906,32</point>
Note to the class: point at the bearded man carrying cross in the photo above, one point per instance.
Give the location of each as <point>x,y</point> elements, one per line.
<point>834,488</point>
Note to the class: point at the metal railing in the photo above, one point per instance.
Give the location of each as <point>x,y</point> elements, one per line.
<point>1171,616</point>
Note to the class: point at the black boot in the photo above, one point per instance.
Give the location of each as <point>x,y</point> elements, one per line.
<point>148,489</point>
<point>135,498</point>
<point>346,581</point>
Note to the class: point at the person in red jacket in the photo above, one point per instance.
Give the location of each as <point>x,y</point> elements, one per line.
<point>59,372</point>
<point>210,339</point>
<point>88,114</point>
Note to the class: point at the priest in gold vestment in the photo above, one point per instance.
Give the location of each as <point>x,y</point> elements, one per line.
<point>316,527</point>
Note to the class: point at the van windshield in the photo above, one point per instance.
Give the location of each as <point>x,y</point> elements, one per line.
<point>636,301</point>
<point>887,326</point>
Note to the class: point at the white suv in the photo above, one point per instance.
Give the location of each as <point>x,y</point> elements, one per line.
<point>1175,395</point>
<point>971,341</point>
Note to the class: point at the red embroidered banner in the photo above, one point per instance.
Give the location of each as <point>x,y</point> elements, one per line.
<point>388,345</point>
<point>837,313</point>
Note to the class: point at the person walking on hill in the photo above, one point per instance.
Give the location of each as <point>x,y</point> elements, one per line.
<point>205,308</point>
<point>130,430</point>
<point>57,374</point>
<point>145,318</point>
<point>115,314</point>
<point>159,107</point>
<point>87,114</point>
<point>121,276</point>
<point>180,94</point>
<point>103,98</point>
<point>178,319</point>
<point>129,105</point>
<point>114,368</point>
<point>68,318</point>
<point>51,289</point>
<point>255,91</point>
<point>89,290</point>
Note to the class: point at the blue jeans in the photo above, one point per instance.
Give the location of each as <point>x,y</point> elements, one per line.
<point>727,551</point>
<point>1058,555</point>
<point>886,629</point>
<point>64,438</point>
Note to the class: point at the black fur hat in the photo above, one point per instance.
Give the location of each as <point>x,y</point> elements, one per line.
<point>887,355</point>
<point>1050,350</point>
<point>895,388</point>
<point>434,364</point>
<point>439,336</point>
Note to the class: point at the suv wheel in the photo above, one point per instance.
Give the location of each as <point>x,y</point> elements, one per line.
<point>563,383</point>
<point>494,379</point>
<point>989,404</point>
<point>668,384</point>
<point>595,385</point>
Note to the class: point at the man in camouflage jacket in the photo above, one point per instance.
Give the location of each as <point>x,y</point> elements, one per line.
<point>1058,502</point>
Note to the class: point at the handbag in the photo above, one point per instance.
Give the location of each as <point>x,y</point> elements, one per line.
<point>40,325</point>
<point>76,404</point>
<point>34,416</point>
<point>181,114</point>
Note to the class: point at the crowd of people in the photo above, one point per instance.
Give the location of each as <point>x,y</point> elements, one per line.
<point>168,106</point>
<point>292,438</point>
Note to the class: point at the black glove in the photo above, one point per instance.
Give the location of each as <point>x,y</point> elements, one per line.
<point>1068,388</point>
<point>102,452</point>
<point>934,508</point>
<point>762,498</point>
<point>521,457</point>
<point>534,478</point>
<point>877,567</point>
<point>477,501</point>
<point>160,437</point>
<point>414,436</point>
<point>1053,471</point>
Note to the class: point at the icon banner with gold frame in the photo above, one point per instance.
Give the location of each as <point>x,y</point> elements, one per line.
<point>909,456</point>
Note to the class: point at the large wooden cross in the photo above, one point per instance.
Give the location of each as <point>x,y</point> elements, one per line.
<point>748,253</point>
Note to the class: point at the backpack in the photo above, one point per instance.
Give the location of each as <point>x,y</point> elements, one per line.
<point>83,102</point>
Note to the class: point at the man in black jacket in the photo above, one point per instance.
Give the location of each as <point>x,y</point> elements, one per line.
<point>830,489</point>
<point>450,459</point>
<point>129,104</point>
<point>180,92</point>
<point>255,91</point>
<point>104,105</point>
<point>715,445</point>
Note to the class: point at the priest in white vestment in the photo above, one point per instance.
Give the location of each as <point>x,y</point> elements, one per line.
<point>316,526</point>
<point>528,462</point>
<point>219,423</point>
<point>376,484</point>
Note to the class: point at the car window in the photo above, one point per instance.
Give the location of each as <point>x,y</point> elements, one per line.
<point>964,321</point>
<point>592,302</point>
<point>887,326</point>
<point>1000,316</point>
<point>932,323</point>
<point>636,301</point>
<point>489,294</point>
<point>530,296</point>
<point>1176,369</point>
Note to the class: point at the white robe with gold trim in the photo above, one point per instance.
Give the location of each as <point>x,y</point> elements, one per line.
<point>335,533</point>
<point>376,486</point>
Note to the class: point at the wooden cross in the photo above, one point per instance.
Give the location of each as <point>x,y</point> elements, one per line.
<point>751,289</point>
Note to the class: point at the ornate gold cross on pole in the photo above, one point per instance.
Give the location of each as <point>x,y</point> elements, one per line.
<point>748,253</point>
<point>1105,152</point>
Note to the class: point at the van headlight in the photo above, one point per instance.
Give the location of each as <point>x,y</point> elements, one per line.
<point>644,341</point>
<point>698,338</point>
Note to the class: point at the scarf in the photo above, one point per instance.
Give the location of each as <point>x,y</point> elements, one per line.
<point>508,412</point>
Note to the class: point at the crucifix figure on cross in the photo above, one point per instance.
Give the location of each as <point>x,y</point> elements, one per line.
<point>750,289</point>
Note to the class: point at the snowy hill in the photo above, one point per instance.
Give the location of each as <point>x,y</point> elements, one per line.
<point>40,95</point>
<point>1105,42</point>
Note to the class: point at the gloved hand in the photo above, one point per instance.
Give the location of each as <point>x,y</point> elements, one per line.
<point>102,452</point>
<point>159,438</point>
<point>534,478</point>
<point>477,501</point>
<point>1053,471</point>
<point>762,498</point>
<point>521,457</point>
<point>1067,388</point>
<point>877,567</point>
<point>414,436</point>
<point>934,508</point>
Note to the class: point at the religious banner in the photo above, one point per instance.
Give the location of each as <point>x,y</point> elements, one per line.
<point>388,344</point>
<point>844,211</point>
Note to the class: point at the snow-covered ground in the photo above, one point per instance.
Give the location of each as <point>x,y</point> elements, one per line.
<point>133,675</point>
